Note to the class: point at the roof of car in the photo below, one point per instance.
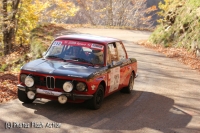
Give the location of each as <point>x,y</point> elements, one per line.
<point>89,38</point>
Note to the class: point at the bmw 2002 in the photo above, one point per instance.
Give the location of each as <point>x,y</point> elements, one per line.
<point>78,68</point>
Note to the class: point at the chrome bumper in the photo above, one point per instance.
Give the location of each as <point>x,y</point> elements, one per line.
<point>56,93</point>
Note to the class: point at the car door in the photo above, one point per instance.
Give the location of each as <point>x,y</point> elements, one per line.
<point>116,71</point>
<point>124,69</point>
<point>122,61</point>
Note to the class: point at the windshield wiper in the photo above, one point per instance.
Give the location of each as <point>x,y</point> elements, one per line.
<point>53,56</point>
<point>83,60</point>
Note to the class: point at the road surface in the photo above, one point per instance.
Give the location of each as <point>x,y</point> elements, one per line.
<point>166,99</point>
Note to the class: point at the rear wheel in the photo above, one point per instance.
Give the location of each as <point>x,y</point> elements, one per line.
<point>22,96</point>
<point>96,101</point>
<point>129,88</point>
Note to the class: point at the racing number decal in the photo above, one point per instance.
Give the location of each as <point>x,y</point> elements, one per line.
<point>57,43</point>
<point>114,79</point>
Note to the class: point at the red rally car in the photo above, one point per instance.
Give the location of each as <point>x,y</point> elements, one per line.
<point>78,68</point>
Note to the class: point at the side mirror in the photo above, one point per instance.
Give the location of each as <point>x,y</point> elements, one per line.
<point>43,54</point>
<point>114,63</point>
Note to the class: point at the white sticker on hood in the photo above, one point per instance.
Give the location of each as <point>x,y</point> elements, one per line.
<point>74,66</point>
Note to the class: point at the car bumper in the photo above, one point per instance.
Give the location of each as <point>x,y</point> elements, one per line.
<point>56,93</point>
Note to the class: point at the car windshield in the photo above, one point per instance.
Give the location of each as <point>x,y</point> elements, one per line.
<point>87,52</point>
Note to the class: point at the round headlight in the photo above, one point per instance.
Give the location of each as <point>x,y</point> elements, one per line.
<point>29,81</point>
<point>31,95</point>
<point>81,86</point>
<point>62,99</point>
<point>67,86</point>
<point>22,77</point>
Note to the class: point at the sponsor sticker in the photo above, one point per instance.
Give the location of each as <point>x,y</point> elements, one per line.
<point>93,87</point>
<point>97,46</point>
<point>78,43</point>
<point>114,78</point>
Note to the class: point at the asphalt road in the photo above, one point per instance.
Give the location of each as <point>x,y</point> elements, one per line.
<point>166,99</point>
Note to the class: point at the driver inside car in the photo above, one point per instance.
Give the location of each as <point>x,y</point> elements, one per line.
<point>98,57</point>
<point>75,51</point>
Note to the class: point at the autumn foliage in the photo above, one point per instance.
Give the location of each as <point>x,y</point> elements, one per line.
<point>123,13</point>
<point>19,17</point>
<point>179,25</point>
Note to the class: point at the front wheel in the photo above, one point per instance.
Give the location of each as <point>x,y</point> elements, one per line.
<point>22,96</point>
<point>129,88</point>
<point>96,101</point>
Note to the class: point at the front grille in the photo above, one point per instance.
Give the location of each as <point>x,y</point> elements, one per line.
<point>50,82</point>
<point>40,80</point>
<point>59,83</point>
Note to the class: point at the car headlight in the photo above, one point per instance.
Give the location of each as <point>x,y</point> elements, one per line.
<point>29,81</point>
<point>22,77</point>
<point>67,86</point>
<point>80,86</point>
<point>31,95</point>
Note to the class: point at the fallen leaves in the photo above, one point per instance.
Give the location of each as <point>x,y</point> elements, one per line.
<point>8,87</point>
<point>180,54</point>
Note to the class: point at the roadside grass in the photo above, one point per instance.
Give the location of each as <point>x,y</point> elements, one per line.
<point>179,26</point>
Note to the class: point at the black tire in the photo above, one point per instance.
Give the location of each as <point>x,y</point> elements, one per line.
<point>96,101</point>
<point>129,88</point>
<point>23,97</point>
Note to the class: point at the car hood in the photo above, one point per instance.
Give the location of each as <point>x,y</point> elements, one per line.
<point>59,68</point>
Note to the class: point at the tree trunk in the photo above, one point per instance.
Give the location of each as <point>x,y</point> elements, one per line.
<point>110,14</point>
<point>9,24</point>
<point>4,26</point>
<point>87,13</point>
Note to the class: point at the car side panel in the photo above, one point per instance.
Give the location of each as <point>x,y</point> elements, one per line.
<point>93,83</point>
<point>114,78</point>
<point>129,69</point>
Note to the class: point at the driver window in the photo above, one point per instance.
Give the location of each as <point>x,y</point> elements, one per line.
<point>112,52</point>
<point>108,56</point>
<point>121,51</point>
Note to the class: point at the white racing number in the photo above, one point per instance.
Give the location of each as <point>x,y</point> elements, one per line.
<point>114,79</point>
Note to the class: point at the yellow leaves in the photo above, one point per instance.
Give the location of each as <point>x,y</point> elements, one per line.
<point>58,11</point>
<point>101,10</point>
<point>28,17</point>
<point>88,8</point>
<point>167,5</point>
<point>151,9</point>
<point>102,16</point>
<point>31,12</point>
